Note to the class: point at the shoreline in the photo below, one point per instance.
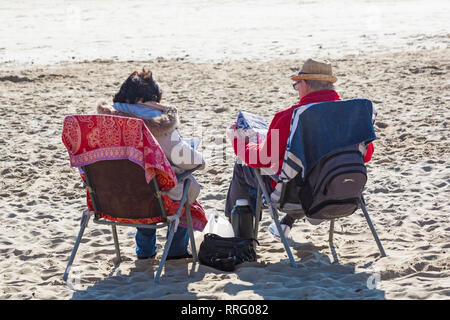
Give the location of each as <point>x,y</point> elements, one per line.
<point>289,56</point>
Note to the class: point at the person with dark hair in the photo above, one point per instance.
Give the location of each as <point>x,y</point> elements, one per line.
<point>139,86</point>
<point>139,97</point>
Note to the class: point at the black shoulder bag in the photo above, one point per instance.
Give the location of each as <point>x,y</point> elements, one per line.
<point>225,253</point>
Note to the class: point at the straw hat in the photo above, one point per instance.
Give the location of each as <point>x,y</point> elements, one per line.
<point>315,70</point>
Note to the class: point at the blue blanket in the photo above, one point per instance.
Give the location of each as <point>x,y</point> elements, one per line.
<point>319,129</point>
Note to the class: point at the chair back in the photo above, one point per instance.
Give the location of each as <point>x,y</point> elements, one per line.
<point>319,132</point>
<point>118,188</point>
<point>126,168</point>
<point>320,129</point>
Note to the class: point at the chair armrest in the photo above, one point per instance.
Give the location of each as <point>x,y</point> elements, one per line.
<point>183,175</point>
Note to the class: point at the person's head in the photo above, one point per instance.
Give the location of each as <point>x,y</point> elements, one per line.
<point>314,76</point>
<point>139,87</point>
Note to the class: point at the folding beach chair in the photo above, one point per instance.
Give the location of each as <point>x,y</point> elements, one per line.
<point>126,174</point>
<point>318,131</point>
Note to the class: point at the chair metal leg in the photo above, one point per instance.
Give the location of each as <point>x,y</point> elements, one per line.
<point>330,238</point>
<point>116,243</point>
<point>166,251</point>
<point>84,221</point>
<point>330,241</point>
<point>191,232</point>
<point>174,220</point>
<point>274,212</point>
<point>283,237</point>
<point>372,228</point>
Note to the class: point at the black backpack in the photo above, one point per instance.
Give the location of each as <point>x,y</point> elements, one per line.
<point>225,253</point>
<point>333,188</point>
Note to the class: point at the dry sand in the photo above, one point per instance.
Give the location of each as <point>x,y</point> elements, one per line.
<point>41,197</point>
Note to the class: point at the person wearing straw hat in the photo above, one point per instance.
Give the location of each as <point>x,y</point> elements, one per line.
<point>314,83</point>
<point>314,76</point>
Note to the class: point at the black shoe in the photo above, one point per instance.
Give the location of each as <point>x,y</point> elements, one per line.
<point>187,255</point>
<point>146,257</point>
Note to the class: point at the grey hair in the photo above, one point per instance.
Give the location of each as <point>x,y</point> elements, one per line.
<point>319,85</point>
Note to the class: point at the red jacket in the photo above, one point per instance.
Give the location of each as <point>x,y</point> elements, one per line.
<point>259,155</point>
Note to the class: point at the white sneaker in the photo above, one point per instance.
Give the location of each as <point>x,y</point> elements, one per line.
<point>274,231</point>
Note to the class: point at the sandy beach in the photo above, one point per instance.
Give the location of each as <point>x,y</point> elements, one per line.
<point>213,61</point>
<point>41,196</point>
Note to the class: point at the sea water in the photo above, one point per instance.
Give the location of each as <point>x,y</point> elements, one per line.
<point>49,31</point>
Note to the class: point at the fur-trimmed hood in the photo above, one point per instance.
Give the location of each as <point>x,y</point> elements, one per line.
<point>163,124</point>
